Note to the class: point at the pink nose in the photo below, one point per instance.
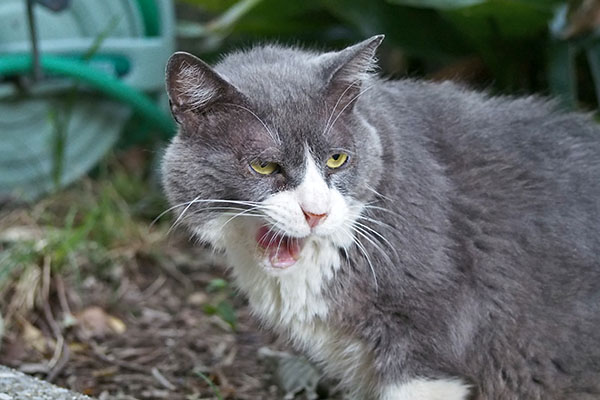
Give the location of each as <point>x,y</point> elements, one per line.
<point>313,219</point>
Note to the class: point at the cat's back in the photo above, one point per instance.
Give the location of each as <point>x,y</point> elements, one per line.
<point>523,204</point>
<point>524,175</point>
<point>512,160</point>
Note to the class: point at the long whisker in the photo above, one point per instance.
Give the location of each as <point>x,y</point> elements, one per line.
<point>273,136</point>
<point>336,104</point>
<point>181,215</point>
<point>346,106</point>
<point>197,200</point>
<point>225,210</point>
<point>376,192</point>
<point>279,245</point>
<point>271,228</point>
<point>366,236</point>
<point>238,215</point>
<point>379,235</point>
<point>185,203</point>
<point>384,225</point>
<point>384,210</point>
<point>365,254</point>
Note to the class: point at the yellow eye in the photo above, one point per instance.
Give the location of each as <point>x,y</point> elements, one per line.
<point>337,160</point>
<point>264,168</point>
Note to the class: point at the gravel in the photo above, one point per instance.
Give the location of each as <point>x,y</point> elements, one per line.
<point>16,385</point>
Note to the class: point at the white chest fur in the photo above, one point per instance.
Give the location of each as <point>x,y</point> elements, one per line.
<point>292,302</point>
<point>283,298</point>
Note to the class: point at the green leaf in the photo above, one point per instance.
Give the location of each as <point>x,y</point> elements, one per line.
<point>227,313</point>
<point>216,284</point>
<point>501,19</point>
<point>212,5</point>
<point>419,32</point>
<point>210,383</point>
<point>294,20</point>
<point>510,36</point>
<point>209,309</point>
<point>437,4</point>
<point>561,72</point>
<point>593,56</point>
<point>452,4</point>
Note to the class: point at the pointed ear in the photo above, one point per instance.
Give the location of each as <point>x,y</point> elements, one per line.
<point>347,70</point>
<point>193,86</point>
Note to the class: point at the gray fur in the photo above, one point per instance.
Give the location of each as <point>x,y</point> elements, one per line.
<point>492,205</point>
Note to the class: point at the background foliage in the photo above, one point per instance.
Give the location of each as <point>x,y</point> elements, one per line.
<point>511,46</point>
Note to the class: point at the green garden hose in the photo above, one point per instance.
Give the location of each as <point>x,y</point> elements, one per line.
<point>106,84</point>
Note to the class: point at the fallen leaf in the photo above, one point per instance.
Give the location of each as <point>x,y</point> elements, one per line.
<point>34,338</point>
<point>104,372</point>
<point>77,347</point>
<point>116,325</point>
<point>94,322</point>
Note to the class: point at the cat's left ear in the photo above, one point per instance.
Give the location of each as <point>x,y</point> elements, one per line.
<point>348,70</point>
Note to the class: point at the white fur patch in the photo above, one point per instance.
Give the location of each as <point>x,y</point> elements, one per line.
<point>291,300</point>
<point>312,194</point>
<point>425,389</point>
<point>281,296</point>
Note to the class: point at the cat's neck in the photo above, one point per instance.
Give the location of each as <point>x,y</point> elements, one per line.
<point>291,296</point>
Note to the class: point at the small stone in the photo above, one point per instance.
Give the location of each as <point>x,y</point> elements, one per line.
<point>16,385</point>
<point>197,298</point>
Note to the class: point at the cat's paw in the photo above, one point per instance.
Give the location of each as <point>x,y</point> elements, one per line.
<point>427,389</point>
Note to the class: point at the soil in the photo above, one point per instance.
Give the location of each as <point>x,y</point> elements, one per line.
<point>145,331</point>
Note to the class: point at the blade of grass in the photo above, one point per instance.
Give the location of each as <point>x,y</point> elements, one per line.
<point>561,72</point>
<point>210,383</point>
<point>593,58</point>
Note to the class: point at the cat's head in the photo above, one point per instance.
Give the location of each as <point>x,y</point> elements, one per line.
<point>272,152</point>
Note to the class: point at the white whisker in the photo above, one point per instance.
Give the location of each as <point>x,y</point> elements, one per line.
<point>238,215</point>
<point>181,215</point>
<point>384,210</point>
<point>336,104</point>
<point>377,193</point>
<point>364,253</point>
<point>384,225</point>
<point>370,240</point>
<point>346,106</point>
<point>273,136</point>
<point>379,235</point>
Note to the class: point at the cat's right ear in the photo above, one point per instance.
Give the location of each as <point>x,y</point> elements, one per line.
<point>348,70</point>
<point>193,87</point>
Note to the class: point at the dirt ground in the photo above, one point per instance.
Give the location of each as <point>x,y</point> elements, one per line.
<point>149,330</point>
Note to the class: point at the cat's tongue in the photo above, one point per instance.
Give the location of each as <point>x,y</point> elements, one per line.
<point>283,251</point>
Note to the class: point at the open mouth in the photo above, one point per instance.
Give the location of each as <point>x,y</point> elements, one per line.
<point>283,251</point>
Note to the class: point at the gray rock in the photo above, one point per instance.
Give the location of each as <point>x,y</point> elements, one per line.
<point>15,385</point>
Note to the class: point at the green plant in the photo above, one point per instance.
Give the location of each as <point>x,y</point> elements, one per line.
<point>523,45</point>
<point>220,304</point>
<point>59,114</point>
<point>97,224</point>
<point>210,383</point>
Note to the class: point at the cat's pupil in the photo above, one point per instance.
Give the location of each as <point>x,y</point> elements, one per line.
<point>264,164</point>
<point>336,156</point>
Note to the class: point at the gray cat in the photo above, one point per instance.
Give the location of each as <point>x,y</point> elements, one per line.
<point>420,240</point>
